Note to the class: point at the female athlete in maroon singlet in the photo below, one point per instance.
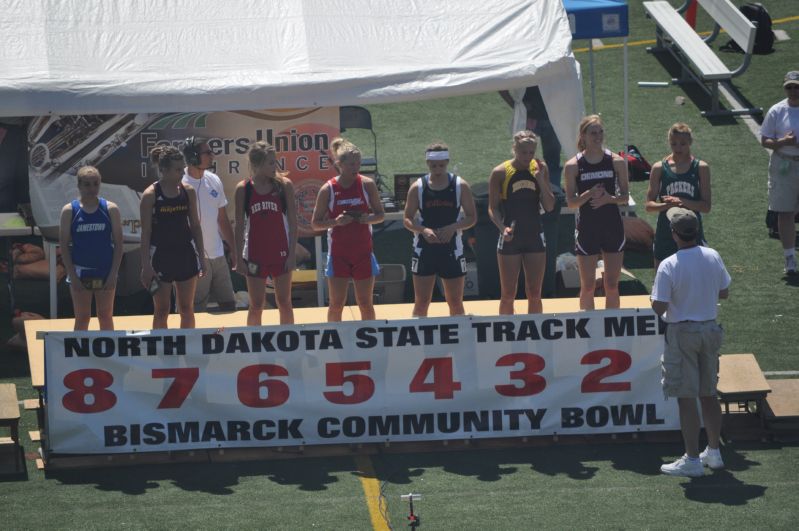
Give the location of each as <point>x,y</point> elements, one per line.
<point>266,233</point>
<point>596,184</point>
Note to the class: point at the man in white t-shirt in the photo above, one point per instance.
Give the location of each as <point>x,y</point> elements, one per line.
<point>779,133</point>
<point>687,288</point>
<point>216,284</point>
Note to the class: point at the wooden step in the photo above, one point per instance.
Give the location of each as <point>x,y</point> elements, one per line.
<point>783,402</point>
<point>9,418</point>
<point>740,379</point>
<point>31,404</point>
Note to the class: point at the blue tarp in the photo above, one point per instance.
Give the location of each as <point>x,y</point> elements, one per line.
<point>596,19</point>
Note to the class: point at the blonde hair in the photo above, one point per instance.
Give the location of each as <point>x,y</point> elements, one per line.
<point>585,123</point>
<point>681,128</point>
<point>163,155</point>
<point>88,171</point>
<point>524,136</point>
<point>343,148</point>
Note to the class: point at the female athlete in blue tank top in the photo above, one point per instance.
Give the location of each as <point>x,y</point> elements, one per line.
<point>91,248</point>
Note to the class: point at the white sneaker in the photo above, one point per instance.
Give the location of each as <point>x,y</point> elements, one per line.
<point>711,458</point>
<point>790,265</point>
<point>684,466</point>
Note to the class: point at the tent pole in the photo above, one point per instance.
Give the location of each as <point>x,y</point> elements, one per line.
<point>591,68</point>
<point>626,97</point>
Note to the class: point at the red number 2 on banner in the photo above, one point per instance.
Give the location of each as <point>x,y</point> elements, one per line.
<point>363,387</point>
<point>184,380</point>
<point>443,384</point>
<point>101,398</point>
<point>532,382</point>
<point>620,361</point>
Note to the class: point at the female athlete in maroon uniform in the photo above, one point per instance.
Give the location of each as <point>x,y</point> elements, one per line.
<point>596,184</point>
<point>170,239</point>
<point>517,191</point>
<point>266,233</point>
<point>343,208</point>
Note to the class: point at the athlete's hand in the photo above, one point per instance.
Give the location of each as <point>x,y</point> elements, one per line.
<point>241,266</point>
<point>344,219</point>
<point>204,267</point>
<point>672,201</point>
<point>507,234</point>
<point>599,196</point>
<point>77,283</point>
<point>445,233</point>
<point>789,139</point>
<point>110,283</point>
<point>429,235</point>
<point>291,263</point>
<point>147,274</point>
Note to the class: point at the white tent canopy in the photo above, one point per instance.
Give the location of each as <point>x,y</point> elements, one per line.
<point>128,56</point>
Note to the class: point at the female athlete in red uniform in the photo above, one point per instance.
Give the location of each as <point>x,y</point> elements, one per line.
<point>170,239</point>
<point>347,206</point>
<point>266,233</point>
<point>596,184</point>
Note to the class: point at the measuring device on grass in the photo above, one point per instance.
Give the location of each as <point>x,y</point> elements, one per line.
<point>414,520</point>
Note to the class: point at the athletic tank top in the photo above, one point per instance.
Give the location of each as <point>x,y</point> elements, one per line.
<point>354,237</point>
<point>683,185</point>
<point>589,175</point>
<point>171,220</point>
<point>439,208</point>
<point>266,230</point>
<point>92,241</point>
<point>520,199</point>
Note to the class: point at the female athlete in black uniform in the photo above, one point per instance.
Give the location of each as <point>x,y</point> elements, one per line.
<point>439,207</point>
<point>596,183</point>
<point>517,191</point>
<point>170,238</point>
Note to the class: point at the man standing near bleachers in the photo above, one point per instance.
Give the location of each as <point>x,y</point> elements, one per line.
<point>779,133</point>
<point>687,288</point>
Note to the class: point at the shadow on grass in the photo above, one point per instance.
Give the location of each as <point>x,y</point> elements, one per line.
<point>211,478</point>
<point>791,280</point>
<point>722,487</point>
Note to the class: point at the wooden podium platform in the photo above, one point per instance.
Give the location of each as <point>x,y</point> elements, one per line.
<point>387,312</point>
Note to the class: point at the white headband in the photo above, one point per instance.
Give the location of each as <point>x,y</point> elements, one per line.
<point>437,155</point>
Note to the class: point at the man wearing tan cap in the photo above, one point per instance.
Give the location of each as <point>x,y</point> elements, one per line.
<point>687,288</point>
<point>779,134</point>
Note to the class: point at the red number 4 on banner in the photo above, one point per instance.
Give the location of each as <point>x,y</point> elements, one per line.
<point>443,384</point>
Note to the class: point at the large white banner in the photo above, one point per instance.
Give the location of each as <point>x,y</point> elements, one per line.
<point>359,382</point>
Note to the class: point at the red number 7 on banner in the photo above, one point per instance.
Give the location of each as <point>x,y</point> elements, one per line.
<point>181,386</point>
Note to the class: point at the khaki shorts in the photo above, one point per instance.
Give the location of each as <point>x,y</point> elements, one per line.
<point>214,286</point>
<point>783,184</point>
<point>690,362</point>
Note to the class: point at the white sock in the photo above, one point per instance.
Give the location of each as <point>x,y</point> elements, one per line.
<point>789,252</point>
